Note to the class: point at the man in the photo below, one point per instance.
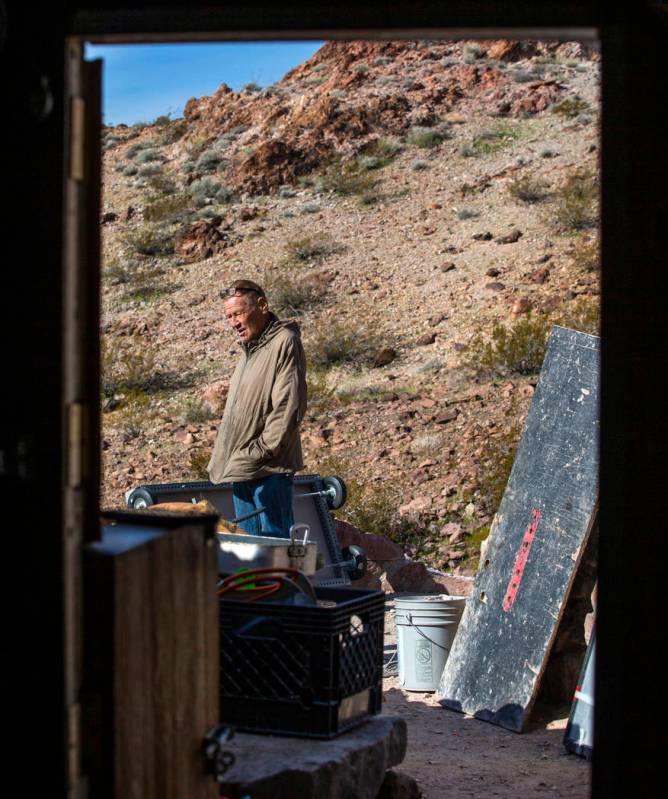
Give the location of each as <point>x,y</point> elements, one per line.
<point>258,447</point>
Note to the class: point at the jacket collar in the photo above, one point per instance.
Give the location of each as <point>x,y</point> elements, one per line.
<point>266,335</point>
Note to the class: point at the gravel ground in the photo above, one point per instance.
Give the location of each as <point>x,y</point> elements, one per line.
<point>453,755</point>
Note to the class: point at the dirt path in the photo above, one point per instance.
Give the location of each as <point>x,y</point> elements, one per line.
<point>452,755</point>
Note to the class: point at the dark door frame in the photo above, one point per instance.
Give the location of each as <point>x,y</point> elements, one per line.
<point>33,442</point>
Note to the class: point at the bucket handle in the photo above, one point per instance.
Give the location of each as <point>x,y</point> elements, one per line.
<point>409,617</point>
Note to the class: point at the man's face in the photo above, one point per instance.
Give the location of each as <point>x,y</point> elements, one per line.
<point>248,320</point>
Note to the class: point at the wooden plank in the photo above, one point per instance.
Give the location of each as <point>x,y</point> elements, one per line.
<point>151,691</point>
<point>535,545</point>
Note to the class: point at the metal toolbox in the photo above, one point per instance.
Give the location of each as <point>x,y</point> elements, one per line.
<point>237,551</point>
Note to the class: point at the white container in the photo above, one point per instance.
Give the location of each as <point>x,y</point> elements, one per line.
<point>426,628</point>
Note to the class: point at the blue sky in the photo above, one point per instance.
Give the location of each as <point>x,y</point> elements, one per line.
<point>143,81</point>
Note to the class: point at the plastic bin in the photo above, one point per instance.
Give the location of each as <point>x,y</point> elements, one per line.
<point>311,672</point>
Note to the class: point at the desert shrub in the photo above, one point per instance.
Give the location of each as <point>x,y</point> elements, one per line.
<point>518,349</point>
<point>472,52</point>
<point>570,107</point>
<point>291,295</point>
<point>130,170</point>
<point>386,80</point>
<point>381,61</point>
<point>361,69</point>
<point>128,366</point>
<point>149,170</point>
<point>369,162</point>
<point>196,146</point>
<point>311,249</point>
<point>347,179</point>
<point>149,239</point>
<point>522,75</point>
<point>206,191</point>
<point>197,465</point>
<point>208,161</point>
<point>310,208</point>
<point>133,365</point>
<point>374,507</point>
<point>419,164</point>
<point>172,132</point>
<point>286,192</point>
<point>467,213</point>
<point>136,148</point>
<point>491,141</point>
<point>196,412</point>
<point>495,466</point>
<point>528,189</point>
<point>583,315</point>
<point>336,344</point>
<point>426,137</point>
<point>169,209</point>
<point>251,86</point>
<point>339,94</point>
<point>161,120</point>
<point>587,255</point>
<point>576,201</point>
<point>467,151</point>
<point>147,155</point>
<point>497,462</point>
<point>146,293</point>
<point>548,153</point>
<point>161,184</point>
<point>133,413</point>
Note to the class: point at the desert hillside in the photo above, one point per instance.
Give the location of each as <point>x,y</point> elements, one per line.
<point>426,210</point>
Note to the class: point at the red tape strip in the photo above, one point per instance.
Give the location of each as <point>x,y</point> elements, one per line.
<point>521,560</point>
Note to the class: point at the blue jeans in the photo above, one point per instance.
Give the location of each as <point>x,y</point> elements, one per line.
<point>274,494</point>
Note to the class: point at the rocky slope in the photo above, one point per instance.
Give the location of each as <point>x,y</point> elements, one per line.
<point>401,198</point>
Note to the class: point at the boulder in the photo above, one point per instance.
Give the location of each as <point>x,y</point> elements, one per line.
<point>214,396</point>
<point>377,547</point>
<point>352,764</point>
<point>397,785</point>
<point>408,576</point>
<point>384,356</point>
<point>202,239</point>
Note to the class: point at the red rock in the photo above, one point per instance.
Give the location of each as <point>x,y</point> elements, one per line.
<point>426,338</point>
<point>202,239</point>
<point>492,272</point>
<point>495,286</point>
<point>511,237</point>
<point>521,306</point>
<point>376,547</point>
<point>214,396</point>
<point>110,216</point>
<point>487,236</point>
<point>246,214</point>
<point>540,275</point>
<point>453,532</point>
<point>447,416</point>
<point>415,506</point>
<point>384,356</point>
<point>409,576</point>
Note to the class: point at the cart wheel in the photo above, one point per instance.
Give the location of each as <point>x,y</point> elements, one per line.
<point>357,559</point>
<point>140,498</point>
<point>337,493</point>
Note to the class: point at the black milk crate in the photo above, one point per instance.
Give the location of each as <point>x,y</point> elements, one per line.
<point>312,672</point>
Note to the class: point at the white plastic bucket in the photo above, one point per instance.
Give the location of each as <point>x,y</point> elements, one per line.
<point>426,627</point>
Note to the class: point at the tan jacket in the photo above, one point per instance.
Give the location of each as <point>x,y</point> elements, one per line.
<point>259,434</point>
